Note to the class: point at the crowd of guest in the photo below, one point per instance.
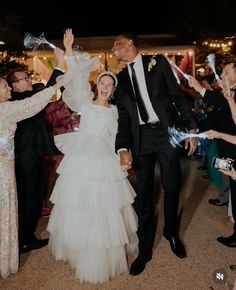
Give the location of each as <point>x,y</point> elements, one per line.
<point>223,100</point>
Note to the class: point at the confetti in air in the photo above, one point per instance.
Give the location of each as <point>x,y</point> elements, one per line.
<point>32,42</point>
<point>177,136</point>
<point>173,65</point>
<point>211,61</point>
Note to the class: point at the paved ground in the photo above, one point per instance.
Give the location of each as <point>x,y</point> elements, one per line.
<point>201,223</point>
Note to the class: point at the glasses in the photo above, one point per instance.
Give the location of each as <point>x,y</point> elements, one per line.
<point>27,78</point>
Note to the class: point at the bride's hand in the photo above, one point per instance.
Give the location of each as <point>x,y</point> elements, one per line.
<point>68,40</point>
<point>125,160</point>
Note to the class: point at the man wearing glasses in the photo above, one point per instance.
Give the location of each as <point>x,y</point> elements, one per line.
<point>32,143</point>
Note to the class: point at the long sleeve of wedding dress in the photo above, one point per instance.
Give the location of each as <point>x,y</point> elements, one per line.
<point>78,91</point>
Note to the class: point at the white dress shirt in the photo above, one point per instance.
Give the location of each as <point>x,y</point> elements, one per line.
<point>138,67</point>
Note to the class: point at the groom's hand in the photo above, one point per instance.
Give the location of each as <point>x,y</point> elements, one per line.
<point>125,160</point>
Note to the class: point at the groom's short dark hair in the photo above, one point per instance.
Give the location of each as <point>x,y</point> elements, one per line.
<point>132,36</point>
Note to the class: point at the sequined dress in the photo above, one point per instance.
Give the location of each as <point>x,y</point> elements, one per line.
<point>10,114</point>
<point>93,224</point>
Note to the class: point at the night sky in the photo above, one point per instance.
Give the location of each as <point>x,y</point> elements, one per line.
<point>191,18</point>
<point>102,18</point>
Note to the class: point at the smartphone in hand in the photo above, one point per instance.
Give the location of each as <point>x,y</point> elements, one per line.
<point>225,164</point>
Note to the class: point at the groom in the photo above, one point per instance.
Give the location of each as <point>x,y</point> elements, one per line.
<point>149,100</point>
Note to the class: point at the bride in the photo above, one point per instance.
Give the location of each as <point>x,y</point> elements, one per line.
<point>93,224</point>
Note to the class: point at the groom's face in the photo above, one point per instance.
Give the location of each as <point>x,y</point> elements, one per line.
<point>121,48</point>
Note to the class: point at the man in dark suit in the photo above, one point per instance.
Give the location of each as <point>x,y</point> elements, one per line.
<point>32,143</point>
<point>226,124</point>
<point>147,97</point>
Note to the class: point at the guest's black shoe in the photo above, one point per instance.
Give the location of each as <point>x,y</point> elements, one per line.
<point>139,264</point>
<point>177,246</point>
<point>34,245</point>
<point>229,242</point>
<point>217,202</point>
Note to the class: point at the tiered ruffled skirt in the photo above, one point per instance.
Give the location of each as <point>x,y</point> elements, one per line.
<point>93,224</point>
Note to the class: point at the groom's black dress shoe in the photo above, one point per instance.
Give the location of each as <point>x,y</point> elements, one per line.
<point>139,264</point>
<point>33,245</point>
<point>229,242</point>
<point>177,246</point>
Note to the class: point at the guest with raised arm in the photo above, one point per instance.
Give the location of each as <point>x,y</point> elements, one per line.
<point>32,143</point>
<point>10,114</point>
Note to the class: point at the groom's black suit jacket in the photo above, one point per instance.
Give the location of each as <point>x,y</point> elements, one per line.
<point>167,100</point>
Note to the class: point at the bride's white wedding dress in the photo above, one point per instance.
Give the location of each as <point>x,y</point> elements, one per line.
<point>93,224</point>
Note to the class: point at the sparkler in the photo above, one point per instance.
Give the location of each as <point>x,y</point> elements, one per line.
<point>32,42</point>
<point>211,61</point>
<point>177,136</point>
<point>176,76</point>
<point>177,68</point>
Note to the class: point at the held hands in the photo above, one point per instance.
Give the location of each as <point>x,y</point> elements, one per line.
<point>125,160</point>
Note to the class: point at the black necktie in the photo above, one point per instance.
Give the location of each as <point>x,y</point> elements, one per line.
<point>141,106</point>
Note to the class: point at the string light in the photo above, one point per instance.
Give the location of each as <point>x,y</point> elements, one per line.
<point>223,44</point>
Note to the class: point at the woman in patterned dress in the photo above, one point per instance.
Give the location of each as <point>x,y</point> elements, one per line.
<point>10,114</point>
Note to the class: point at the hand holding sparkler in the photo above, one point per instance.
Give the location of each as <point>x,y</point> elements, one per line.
<point>194,83</point>
<point>177,136</point>
<point>211,61</point>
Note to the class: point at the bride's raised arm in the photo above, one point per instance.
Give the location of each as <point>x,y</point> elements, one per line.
<point>78,92</point>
